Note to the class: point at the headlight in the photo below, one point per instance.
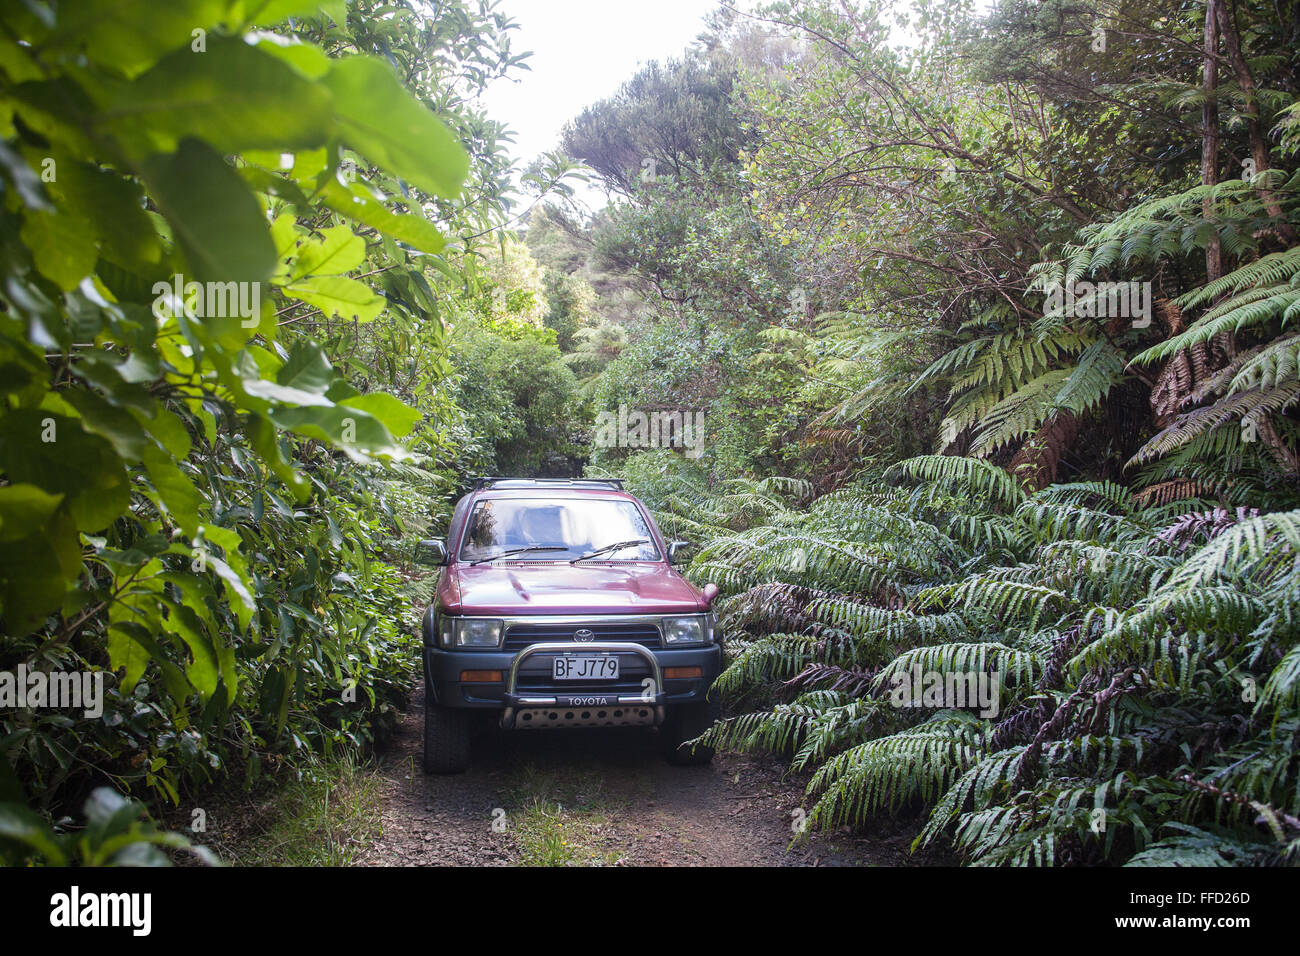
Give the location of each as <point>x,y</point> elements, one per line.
<point>470,632</point>
<point>696,629</point>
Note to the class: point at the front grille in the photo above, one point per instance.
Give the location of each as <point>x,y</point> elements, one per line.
<point>537,684</point>
<point>519,636</point>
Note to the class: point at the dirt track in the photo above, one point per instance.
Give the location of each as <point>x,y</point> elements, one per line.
<point>598,797</point>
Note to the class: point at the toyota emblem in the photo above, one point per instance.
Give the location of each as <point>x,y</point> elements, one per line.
<point>583,634</point>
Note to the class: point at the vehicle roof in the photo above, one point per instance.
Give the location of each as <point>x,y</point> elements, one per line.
<point>552,492</point>
<point>548,487</point>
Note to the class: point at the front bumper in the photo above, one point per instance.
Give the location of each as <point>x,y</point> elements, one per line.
<point>640,694</point>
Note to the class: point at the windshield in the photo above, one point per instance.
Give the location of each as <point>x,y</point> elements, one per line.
<point>576,526</point>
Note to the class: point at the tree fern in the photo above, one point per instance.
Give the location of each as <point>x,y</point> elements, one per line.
<point>1138,646</point>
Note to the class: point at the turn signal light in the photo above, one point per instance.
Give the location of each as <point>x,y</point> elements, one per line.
<point>682,673</point>
<point>480,677</point>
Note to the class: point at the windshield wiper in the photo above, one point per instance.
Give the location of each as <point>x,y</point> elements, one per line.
<point>619,546</point>
<point>506,554</point>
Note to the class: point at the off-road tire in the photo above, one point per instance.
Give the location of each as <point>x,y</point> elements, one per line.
<point>446,738</point>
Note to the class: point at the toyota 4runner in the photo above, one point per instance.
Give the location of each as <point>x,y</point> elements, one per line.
<point>557,605</point>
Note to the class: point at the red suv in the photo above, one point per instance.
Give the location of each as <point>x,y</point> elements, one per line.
<point>558,606</point>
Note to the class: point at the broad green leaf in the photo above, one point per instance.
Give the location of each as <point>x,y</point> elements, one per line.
<point>265,441</point>
<point>339,251</point>
<point>114,207</point>
<point>234,96</point>
<point>233,570</point>
<point>203,670</point>
<point>395,415</point>
<point>24,509</point>
<point>127,654</point>
<point>221,226</point>
<point>62,245</point>
<point>116,425</point>
<point>35,572</point>
<point>273,392</point>
<point>358,203</point>
<point>26,184</point>
<point>307,58</point>
<point>129,35</point>
<point>243,603</point>
<point>306,369</point>
<point>270,12</point>
<point>169,431</point>
<point>30,829</point>
<point>383,122</point>
<point>356,433</point>
<point>196,592</point>
<point>54,453</point>
<point>337,295</point>
<point>178,494</point>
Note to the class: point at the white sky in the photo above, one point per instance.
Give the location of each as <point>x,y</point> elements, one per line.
<point>583,50</point>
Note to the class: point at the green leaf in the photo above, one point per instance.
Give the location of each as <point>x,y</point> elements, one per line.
<point>357,433</point>
<point>26,184</point>
<point>54,453</point>
<point>307,369</point>
<point>395,415</point>
<point>234,97</point>
<point>233,571</point>
<point>62,246</point>
<point>270,12</point>
<point>24,509</point>
<point>169,431</point>
<point>127,653</point>
<point>129,35</point>
<point>274,392</point>
<point>265,441</point>
<point>114,424</point>
<point>307,58</point>
<point>340,251</point>
<point>387,125</point>
<point>29,828</point>
<point>221,226</point>
<point>203,670</point>
<point>359,204</point>
<point>337,295</point>
<point>175,489</point>
<point>114,207</point>
<point>35,572</point>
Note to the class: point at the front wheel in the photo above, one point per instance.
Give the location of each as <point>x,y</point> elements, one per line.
<point>685,722</point>
<point>446,738</point>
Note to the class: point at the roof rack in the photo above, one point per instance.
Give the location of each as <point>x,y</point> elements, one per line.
<point>614,483</point>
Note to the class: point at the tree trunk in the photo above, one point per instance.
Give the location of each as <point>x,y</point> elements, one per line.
<point>1210,133</point>
<point>1227,21</point>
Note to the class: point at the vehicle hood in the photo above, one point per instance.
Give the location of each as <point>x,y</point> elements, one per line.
<point>560,588</point>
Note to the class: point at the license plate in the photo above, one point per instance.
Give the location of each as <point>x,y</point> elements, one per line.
<point>585,667</point>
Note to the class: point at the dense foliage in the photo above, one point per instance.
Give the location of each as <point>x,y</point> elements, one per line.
<point>890,272</point>
<point>235,243</point>
<point>1147,702</point>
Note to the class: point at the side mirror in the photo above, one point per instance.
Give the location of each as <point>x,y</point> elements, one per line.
<point>431,552</point>
<point>675,548</point>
